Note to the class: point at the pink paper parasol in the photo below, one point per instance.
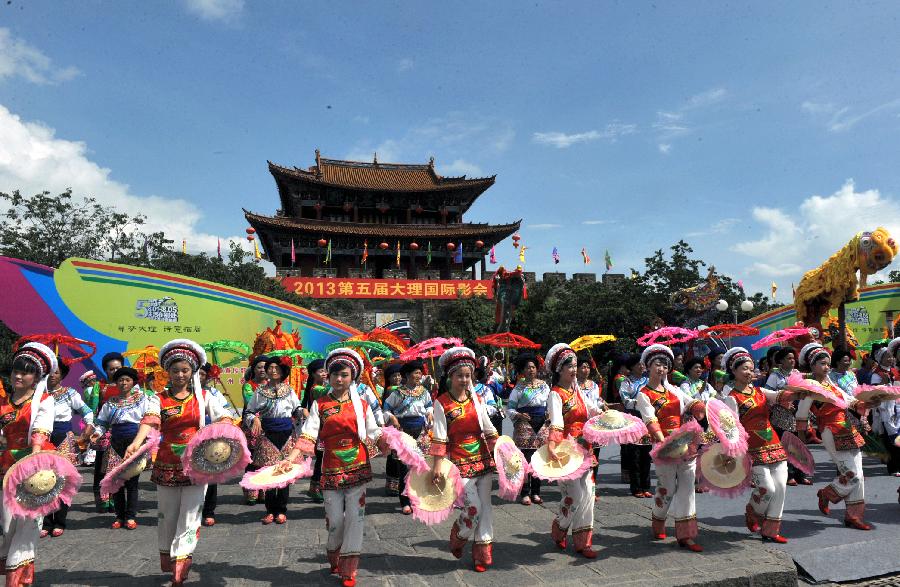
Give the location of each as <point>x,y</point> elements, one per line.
<point>406,447</point>
<point>797,453</point>
<point>727,427</point>
<point>782,335</point>
<point>814,389</point>
<point>429,349</point>
<point>723,475</point>
<point>614,426</point>
<point>679,446</point>
<point>667,335</point>
<point>133,465</point>
<point>216,454</point>
<point>36,484</point>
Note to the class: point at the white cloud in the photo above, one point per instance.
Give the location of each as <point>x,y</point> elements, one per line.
<point>596,222</point>
<point>841,119</point>
<point>719,227</point>
<point>707,98</point>
<point>545,226</point>
<point>19,59</point>
<point>221,10</point>
<point>33,160</point>
<point>405,64</point>
<point>664,148</point>
<point>672,124</point>
<point>798,240</point>
<point>460,167</point>
<point>561,140</point>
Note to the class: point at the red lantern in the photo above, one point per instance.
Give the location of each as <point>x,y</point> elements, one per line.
<point>383,246</point>
<point>347,206</point>
<point>413,246</point>
<point>479,244</point>
<point>383,207</point>
<point>251,238</point>
<point>419,208</point>
<point>516,239</point>
<point>251,230</point>
<point>318,205</point>
<point>451,247</point>
<point>322,242</point>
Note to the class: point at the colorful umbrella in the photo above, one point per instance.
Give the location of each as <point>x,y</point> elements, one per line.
<point>146,362</point>
<point>868,346</point>
<point>429,349</point>
<point>369,346</point>
<point>240,351</point>
<point>589,340</point>
<point>385,337</point>
<point>667,335</point>
<point>507,340</point>
<point>782,335</point>
<point>728,330</point>
<point>74,345</point>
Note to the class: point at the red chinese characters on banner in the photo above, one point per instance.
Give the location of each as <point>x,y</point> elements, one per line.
<point>420,289</point>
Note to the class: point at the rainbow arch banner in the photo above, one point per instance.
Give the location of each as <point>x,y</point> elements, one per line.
<point>122,307</point>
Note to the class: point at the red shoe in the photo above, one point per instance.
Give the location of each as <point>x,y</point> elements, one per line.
<point>131,524</point>
<point>750,520</point>
<point>57,532</point>
<point>588,553</point>
<point>823,502</point>
<point>536,500</point>
<point>209,521</point>
<point>280,519</point>
<point>479,568</point>
<point>778,539</point>
<point>116,525</point>
<point>406,510</point>
<point>45,533</point>
<point>806,481</point>
<point>792,482</point>
<point>857,524</point>
<point>648,494</point>
<point>692,546</point>
<point>349,582</point>
<point>561,544</point>
<point>268,519</point>
<point>659,536</point>
<point>525,500</point>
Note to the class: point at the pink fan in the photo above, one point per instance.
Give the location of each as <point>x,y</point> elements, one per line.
<point>874,394</point>
<point>267,478</point>
<point>406,447</point>
<point>614,426</point>
<point>667,335</point>
<point>36,484</point>
<point>727,427</point>
<point>432,503</point>
<point>679,446</point>
<point>133,465</point>
<point>216,454</point>
<point>797,453</point>
<point>815,390</point>
<point>512,468</point>
<point>782,335</point>
<point>721,474</point>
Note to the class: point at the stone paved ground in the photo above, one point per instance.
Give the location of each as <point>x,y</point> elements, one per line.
<point>400,551</point>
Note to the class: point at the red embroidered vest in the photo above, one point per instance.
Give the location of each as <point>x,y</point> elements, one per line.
<point>466,446</point>
<point>14,423</point>
<point>346,458</point>
<point>829,416</point>
<point>763,444</point>
<point>668,409</point>
<point>574,411</point>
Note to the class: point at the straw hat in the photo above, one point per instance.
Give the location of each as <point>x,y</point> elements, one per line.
<point>216,454</point>
<point>266,478</point>
<point>614,426</point>
<point>433,503</point>
<point>36,484</point>
<point>512,468</point>
<point>721,474</point>
<point>570,463</point>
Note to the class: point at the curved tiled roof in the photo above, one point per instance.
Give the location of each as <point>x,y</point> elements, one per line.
<point>391,177</point>
<point>325,227</point>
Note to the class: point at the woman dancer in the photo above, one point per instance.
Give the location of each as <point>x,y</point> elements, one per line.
<point>270,416</point>
<point>768,457</point>
<point>316,387</point>
<point>463,433</point>
<point>592,393</point>
<point>67,402</point>
<point>212,491</point>
<point>121,416</point>
<point>410,409</point>
<point>178,413</point>
<point>785,361</point>
<point>342,422</point>
<point>254,377</point>
<point>527,408</point>
<point>662,407</point>
<point>393,379</point>
<point>26,419</point>
<point>635,457</point>
<point>569,409</point>
<point>886,415</point>
<point>840,438</point>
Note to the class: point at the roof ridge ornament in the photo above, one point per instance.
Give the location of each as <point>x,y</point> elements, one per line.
<point>318,164</point>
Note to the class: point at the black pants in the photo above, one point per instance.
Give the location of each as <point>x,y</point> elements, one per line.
<point>126,498</point>
<point>209,502</point>
<point>637,458</point>
<point>893,462</point>
<point>277,499</point>
<point>597,466</point>
<point>98,468</point>
<point>532,485</point>
<point>57,519</point>
<point>317,470</point>
<point>402,469</point>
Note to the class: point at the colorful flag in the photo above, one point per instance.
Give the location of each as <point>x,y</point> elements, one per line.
<point>428,255</point>
<point>555,256</point>
<point>493,256</point>
<point>365,255</point>
<point>774,290</point>
<point>328,253</point>
<point>256,252</point>
<point>608,259</point>
<point>522,250</point>
<point>458,257</point>
<point>184,246</point>
<point>398,254</point>
<point>585,256</point>
<point>293,253</point>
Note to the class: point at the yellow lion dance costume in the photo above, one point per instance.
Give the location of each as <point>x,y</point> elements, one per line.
<point>834,282</point>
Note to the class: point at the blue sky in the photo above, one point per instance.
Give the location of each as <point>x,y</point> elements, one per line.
<point>764,134</point>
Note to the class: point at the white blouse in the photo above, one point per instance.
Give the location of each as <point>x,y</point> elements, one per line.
<point>69,402</point>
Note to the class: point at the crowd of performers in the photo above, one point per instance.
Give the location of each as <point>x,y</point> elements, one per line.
<point>445,438</point>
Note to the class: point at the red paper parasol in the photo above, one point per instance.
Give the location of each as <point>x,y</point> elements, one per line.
<point>56,342</point>
<point>728,330</point>
<point>429,349</point>
<point>782,335</point>
<point>667,335</point>
<point>507,340</point>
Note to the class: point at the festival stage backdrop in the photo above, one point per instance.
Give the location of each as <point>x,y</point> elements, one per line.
<point>121,307</point>
<point>871,318</point>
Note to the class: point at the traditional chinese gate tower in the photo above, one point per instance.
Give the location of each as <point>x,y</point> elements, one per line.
<point>340,213</point>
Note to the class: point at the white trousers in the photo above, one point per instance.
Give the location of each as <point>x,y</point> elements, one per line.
<point>849,483</point>
<point>20,537</point>
<point>576,506</point>
<point>345,514</point>
<point>477,518</point>
<point>767,497</point>
<point>675,492</point>
<point>178,519</point>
